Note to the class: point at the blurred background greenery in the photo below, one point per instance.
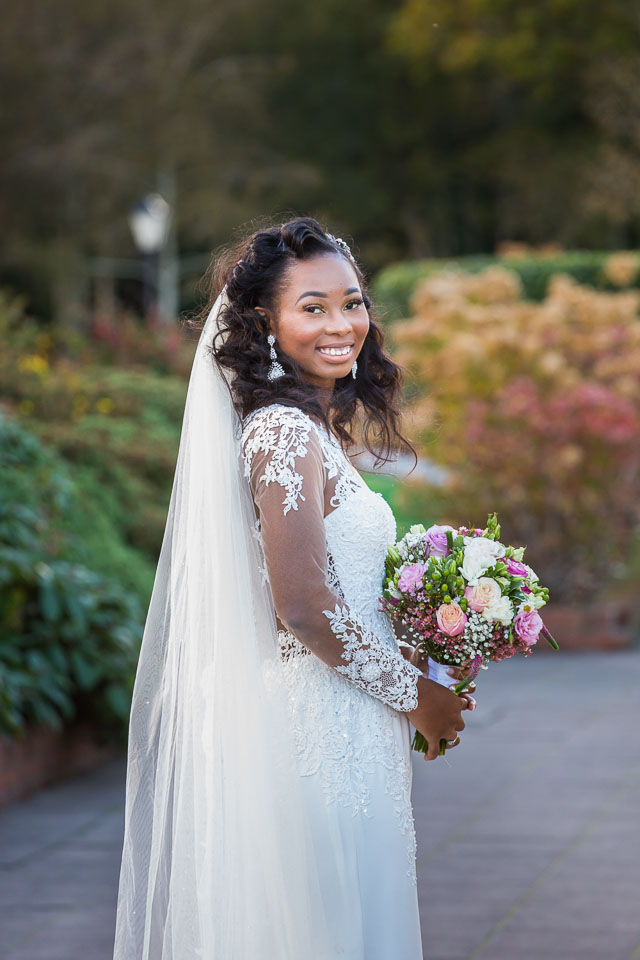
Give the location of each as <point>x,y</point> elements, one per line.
<point>484,161</point>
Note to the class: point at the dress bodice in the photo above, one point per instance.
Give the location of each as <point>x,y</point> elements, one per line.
<point>357,534</point>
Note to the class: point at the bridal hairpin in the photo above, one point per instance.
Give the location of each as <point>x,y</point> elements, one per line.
<point>344,246</point>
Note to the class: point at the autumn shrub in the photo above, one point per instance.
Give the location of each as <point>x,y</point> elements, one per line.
<point>394,285</point>
<point>535,409</point>
<point>118,426</point>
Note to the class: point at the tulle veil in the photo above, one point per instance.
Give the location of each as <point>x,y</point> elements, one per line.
<point>217,859</point>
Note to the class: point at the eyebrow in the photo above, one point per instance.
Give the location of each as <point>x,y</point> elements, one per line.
<point>318,293</point>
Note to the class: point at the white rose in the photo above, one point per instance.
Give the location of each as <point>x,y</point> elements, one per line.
<point>501,610</point>
<point>480,554</point>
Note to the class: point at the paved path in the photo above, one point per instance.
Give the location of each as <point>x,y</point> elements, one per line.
<point>528,833</point>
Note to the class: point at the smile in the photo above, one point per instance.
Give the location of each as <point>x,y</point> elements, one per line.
<point>339,353</point>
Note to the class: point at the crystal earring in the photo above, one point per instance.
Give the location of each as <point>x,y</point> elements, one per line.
<point>275,370</point>
<point>354,368</point>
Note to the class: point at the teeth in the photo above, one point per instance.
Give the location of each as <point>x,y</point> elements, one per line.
<point>335,351</point>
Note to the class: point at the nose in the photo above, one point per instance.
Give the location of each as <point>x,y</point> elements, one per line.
<point>338,323</point>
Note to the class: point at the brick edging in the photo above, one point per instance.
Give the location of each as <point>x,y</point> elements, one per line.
<point>42,756</point>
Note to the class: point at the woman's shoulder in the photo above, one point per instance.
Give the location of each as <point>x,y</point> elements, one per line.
<point>278,426</point>
<point>273,415</point>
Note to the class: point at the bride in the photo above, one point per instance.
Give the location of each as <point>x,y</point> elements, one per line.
<point>268,810</point>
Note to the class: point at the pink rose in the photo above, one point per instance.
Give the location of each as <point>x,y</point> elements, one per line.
<point>451,619</point>
<point>516,568</point>
<point>435,540</point>
<point>486,591</point>
<point>528,624</point>
<point>411,577</point>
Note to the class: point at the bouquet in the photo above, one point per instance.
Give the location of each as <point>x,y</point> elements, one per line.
<point>466,598</point>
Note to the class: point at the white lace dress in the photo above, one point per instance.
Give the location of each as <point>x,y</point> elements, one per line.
<point>324,534</point>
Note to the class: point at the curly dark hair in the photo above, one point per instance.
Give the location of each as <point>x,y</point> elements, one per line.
<point>253,268</point>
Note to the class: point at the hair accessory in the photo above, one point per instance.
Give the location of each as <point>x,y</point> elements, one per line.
<point>354,368</point>
<point>275,370</point>
<point>344,246</point>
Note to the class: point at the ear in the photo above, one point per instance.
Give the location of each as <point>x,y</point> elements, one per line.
<point>264,313</point>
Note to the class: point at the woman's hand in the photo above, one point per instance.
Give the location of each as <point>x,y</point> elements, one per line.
<point>420,660</point>
<point>438,716</point>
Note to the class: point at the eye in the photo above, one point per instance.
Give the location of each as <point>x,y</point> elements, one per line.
<point>313,306</point>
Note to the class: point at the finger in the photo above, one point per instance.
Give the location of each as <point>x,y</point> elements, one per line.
<point>459,724</point>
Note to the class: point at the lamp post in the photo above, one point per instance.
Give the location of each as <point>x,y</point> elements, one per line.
<point>149,221</point>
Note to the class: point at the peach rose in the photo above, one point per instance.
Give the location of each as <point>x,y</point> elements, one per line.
<point>486,591</point>
<point>451,619</point>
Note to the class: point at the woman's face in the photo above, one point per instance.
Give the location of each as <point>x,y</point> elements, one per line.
<point>320,308</point>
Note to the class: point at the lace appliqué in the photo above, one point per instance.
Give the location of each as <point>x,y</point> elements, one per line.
<point>373,664</point>
<point>332,576</point>
<point>284,433</point>
<point>336,463</point>
<point>290,646</point>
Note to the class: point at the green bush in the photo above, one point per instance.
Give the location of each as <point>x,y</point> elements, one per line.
<point>69,636</point>
<point>393,286</point>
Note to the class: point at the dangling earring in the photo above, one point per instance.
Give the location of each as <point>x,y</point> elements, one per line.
<point>275,370</point>
<point>354,368</point>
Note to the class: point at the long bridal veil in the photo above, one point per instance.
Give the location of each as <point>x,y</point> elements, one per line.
<point>217,859</point>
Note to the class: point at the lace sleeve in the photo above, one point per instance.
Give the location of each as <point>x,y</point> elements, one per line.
<point>284,462</point>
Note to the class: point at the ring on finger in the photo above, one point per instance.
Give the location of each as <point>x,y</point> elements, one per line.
<point>454,743</point>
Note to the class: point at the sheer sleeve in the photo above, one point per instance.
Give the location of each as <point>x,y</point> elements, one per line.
<point>284,462</point>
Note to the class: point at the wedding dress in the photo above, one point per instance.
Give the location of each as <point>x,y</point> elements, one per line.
<point>322,535</point>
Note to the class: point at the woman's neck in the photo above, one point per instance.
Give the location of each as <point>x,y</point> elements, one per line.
<point>324,396</point>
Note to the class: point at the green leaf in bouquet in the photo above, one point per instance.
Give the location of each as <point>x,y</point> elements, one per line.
<point>550,640</point>
<point>393,554</point>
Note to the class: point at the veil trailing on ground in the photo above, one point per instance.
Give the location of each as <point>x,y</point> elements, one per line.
<point>217,860</point>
